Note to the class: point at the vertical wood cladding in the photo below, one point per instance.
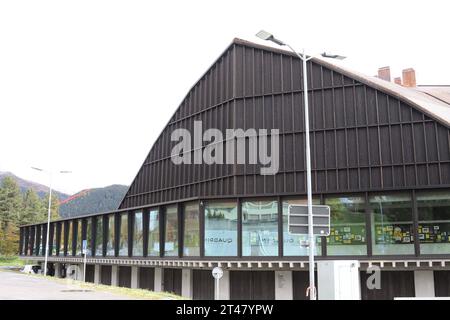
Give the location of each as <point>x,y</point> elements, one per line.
<point>252,285</point>
<point>172,280</point>
<point>105,275</point>
<point>90,273</point>
<point>393,284</point>
<point>125,276</point>
<point>203,285</point>
<point>442,283</point>
<point>361,137</point>
<point>147,278</point>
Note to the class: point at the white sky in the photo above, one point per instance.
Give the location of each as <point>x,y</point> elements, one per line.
<point>88,85</point>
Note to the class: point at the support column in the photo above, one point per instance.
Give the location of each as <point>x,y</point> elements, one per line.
<point>97,274</point>
<point>134,277</point>
<point>224,286</point>
<point>186,283</point>
<point>80,272</point>
<point>158,279</point>
<point>283,285</point>
<point>57,267</point>
<point>424,283</point>
<point>115,276</point>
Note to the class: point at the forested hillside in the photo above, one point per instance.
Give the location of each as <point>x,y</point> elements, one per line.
<point>93,201</point>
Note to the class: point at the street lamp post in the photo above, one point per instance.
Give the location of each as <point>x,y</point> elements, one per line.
<point>48,214</point>
<point>269,37</point>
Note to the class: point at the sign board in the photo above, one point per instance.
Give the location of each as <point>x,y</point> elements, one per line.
<point>217,273</point>
<point>298,219</point>
<point>84,249</point>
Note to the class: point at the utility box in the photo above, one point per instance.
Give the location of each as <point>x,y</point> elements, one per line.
<point>338,280</point>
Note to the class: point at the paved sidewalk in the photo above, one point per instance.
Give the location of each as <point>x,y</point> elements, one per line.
<point>17,286</point>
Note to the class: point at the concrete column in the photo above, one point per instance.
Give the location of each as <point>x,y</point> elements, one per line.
<point>186,283</point>
<point>283,285</point>
<point>224,286</point>
<point>158,279</point>
<point>115,276</point>
<point>424,283</point>
<point>57,267</point>
<point>80,272</point>
<point>97,274</point>
<point>134,277</point>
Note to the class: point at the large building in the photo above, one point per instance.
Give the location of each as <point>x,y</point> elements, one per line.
<point>380,160</point>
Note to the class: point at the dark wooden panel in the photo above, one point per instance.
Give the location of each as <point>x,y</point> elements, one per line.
<point>393,284</point>
<point>147,278</point>
<point>90,271</point>
<point>442,283</point>
<point>252,285</point>
<point>172,280</point>
<point>300,282</point>
<point>105,275</point>
<point>125,276</point>
<point>203,285</point>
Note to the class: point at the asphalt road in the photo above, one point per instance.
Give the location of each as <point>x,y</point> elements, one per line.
<point>17,286</point>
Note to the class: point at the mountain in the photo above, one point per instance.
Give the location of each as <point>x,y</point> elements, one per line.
<point>82,203</point>
<point>40,189</point>
<point>92,201</point>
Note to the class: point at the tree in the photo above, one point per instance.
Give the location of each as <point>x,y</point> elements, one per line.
<point>33,210</point>
<point>54,208</point>
<point>10,215</point>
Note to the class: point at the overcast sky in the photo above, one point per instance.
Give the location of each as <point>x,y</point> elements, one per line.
<point>87,86</point>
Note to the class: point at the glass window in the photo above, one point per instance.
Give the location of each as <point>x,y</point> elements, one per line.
<point>434,222</point>
<point>292,243</point>
<point>89,236</point>
<point>99,236</point>
<point>260,228</point>
<point>53,231</point>
<point>191,243</point>
<point>153,233</point>
<point>138,235</point>
<point>221,228</point>
<point>171,237</point>
<point>123,243</point>
<point>38,242</point>
<point>392,226</point>
<point>70,238</point>
<point>62,238</point>
<point>79,237</point>
<point>110,236</point>
<point>348,226</point>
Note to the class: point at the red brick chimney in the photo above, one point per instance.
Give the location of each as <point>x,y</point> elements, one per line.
<point>409,77</point>
<point>384,73</point>
<point>398,80</point>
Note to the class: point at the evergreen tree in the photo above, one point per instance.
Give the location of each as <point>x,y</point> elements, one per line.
<point>10,215</point>
<point>32,210</point>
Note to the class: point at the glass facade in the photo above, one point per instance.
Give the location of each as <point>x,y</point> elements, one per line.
<point>99,236</point>
<point>434,222</point>
<point>138,235</point>
<point>221,228</point>
<point>123,241</point>
<point>392,224</point>
<point>89,236</point>
<point>260,228</point>
<point>191,240</point>
<point>110,245</point>
<point>348,226</point>
<point>153,233</point>
<point>53,232</point>
<point>62,238</point>
<point>171,232</point>
<point>70,238</point>
<point>292,243</point>
<point>79,237</point>
<point>389,218</point>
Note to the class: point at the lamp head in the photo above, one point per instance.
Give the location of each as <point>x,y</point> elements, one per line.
<point>269,37</point>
